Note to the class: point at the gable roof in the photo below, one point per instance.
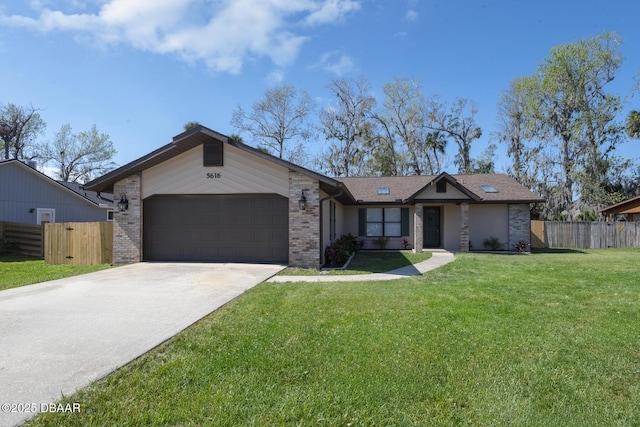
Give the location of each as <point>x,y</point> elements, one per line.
<point>626,206</point>
<point>192,138</point>
<point>97,198</point>
<point>406,189</point>
<point>89,197</point>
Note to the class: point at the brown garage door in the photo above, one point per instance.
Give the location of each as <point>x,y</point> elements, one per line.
<point>230,228</point>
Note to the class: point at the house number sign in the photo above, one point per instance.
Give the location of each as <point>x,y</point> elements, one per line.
<point>214,175</point>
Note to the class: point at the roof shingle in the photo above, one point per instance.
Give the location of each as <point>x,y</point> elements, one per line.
<point>403,188</point>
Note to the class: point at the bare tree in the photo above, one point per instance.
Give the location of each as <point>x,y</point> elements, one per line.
<point>79,157</point>
<point>457,121</point>
<point>19,126</point>
<point>403,119</point>
<point>281,116</point>
<point>347,124</point>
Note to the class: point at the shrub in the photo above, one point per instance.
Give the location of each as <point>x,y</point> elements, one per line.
<point>492,243</point>
<point>339,251</point>
<point>405,243</point>
<point>382,242</point>
<point>522,246</point>
<point>6,246</point>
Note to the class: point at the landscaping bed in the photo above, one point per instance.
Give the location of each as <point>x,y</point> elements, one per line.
<point>366,262</point>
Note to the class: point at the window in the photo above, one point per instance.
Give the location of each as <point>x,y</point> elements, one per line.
<point>383,190</point>
<point>488,188</point>
<point>387,222</point>
<point>212,153</point>
<point>441,186</point>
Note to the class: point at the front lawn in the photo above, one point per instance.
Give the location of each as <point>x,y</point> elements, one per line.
<point>21,270</point>
<point>548,339</point>
<point>366,262</point>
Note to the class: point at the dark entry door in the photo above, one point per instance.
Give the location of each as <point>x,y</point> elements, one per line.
<point>431,229</point>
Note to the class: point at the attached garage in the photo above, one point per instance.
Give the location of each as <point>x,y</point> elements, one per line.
<point>219,228</point>
<point>205,197</point>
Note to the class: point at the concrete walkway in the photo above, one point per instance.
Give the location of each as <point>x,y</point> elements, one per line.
<point>59,336</point>
<point>438,259</point>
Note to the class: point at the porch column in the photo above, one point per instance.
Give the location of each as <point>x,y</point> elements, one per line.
<point>464,227</point>
<point>418,234</point>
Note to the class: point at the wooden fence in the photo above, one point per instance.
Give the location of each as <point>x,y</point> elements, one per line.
<point>78,243</point>
<point>585,235</point>
<point>27,238</point>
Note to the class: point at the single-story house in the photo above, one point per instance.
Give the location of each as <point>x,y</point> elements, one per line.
<point>628,210</point>
<point>206,197</point>
<point>30,197</point>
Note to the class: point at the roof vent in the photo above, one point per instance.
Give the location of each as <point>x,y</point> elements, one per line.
<point>488,188</point>
<point>383,190</point>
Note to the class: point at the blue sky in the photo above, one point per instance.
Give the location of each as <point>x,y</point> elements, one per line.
<point>141,69</point>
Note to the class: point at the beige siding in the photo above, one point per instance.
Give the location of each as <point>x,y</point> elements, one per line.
<point>241,173</point>
<point>486,221</point>
<point>452,193</point>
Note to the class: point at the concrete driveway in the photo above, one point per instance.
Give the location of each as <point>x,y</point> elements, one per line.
<point>59,336</point>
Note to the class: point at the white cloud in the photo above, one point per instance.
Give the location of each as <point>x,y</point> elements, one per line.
<point>336,63</point>
<point>224,34</point>
<point>412,15</point>
<point>331,10</point>
<point>276,77</point>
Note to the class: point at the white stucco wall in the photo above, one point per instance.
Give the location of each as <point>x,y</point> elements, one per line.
<point>486,221</point>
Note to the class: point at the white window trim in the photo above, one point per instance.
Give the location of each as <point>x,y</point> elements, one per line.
<point>42,211</point>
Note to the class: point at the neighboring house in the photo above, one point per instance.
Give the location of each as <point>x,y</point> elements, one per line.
<point>628,210</point>
<point>29,196</point>
<point>205,197</point>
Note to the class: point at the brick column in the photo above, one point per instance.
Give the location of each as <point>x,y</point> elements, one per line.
<point>464,227</point>
<point>304,226</point>
<point>519,225</point>
<point>127,225</point>
<point>418,228</point>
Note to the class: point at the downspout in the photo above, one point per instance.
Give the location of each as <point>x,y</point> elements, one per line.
<point>324,199</point>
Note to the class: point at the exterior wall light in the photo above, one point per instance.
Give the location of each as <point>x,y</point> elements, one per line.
<point>302,203</point>
<point>123,204</point>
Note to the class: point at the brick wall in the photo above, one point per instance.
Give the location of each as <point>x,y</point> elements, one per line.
<point>519,225</point>
<point>304,226</point>
<point>127,225</point>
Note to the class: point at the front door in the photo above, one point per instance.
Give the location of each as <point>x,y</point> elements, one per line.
<point>431,227</point>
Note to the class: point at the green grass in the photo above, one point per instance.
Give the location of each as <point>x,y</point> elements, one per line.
<point>548,339</point>
<point>18,271</point>
<point>366,262</point>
